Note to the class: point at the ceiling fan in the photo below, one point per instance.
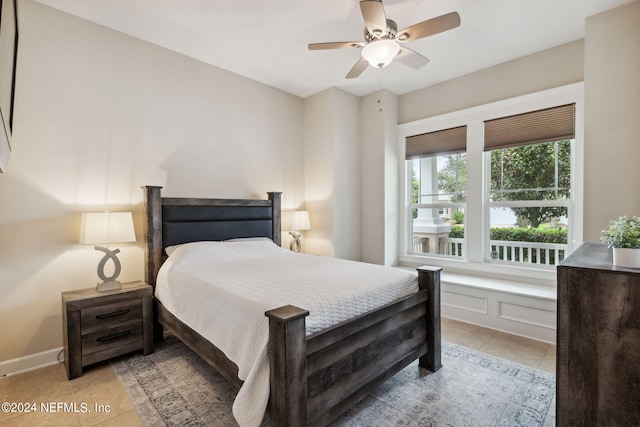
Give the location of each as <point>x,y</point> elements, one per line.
<point>384,43</point>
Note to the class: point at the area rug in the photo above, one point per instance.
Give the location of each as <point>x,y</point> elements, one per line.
<point>174,387</point>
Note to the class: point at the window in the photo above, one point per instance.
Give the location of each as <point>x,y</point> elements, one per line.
<point>436,164</point>
<point>528,203</point>
<point>529,175</point>
<point>495,187</point>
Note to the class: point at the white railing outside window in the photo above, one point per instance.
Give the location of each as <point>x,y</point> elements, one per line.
<point>455,247</point>
<point>550,254</point>
<point>521,253</point>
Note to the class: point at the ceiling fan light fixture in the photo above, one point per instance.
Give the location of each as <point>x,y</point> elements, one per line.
<point>380,53</point>
<point>382,42</point>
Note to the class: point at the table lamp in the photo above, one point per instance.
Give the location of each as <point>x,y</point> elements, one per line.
<point>295,221</point>
<point>105,228</point>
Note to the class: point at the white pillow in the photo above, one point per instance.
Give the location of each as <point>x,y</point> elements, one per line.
<point>249,239</point>
<point>170,249</point>
<point>207,253</point>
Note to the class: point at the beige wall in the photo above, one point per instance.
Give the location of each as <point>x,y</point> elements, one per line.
<point>551,68</point>
<point>612,117</point>
<point>346,166</point>
<point>379,178</point>
<point>98,114</point>
<point>332,179</point>
<point>319,177</point>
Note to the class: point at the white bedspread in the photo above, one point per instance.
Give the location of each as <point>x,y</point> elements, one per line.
<point>222,290</point>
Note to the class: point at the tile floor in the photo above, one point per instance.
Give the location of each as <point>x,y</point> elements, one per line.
<point>525,351</point>
<point>99,384</point>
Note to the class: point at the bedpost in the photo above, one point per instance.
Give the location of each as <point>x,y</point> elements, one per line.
<point>153,233</point>
<point>429,279</point>
<point>288,362</point>
<point>152,227</point>
<point>275,197</point>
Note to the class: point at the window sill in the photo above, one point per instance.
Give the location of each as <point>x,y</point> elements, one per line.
<point>507,278</point>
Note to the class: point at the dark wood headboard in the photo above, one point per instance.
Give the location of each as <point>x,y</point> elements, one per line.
<point>171,221</point>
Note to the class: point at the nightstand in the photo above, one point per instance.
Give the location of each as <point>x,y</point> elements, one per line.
<point>100,325</point>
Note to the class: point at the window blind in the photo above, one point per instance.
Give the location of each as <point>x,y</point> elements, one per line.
<point>446,141</point>
<point>549,124</point>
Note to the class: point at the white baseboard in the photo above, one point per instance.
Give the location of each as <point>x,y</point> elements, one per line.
<point>30,362</point>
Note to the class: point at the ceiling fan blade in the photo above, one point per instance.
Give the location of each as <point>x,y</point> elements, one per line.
<point>429,27</point>
<point>357,69</point>
<point>335,45</point>
<point>411,58</point>
<point>374,17</point>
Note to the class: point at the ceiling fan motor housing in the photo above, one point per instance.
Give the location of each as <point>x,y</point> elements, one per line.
<point>389,34</point>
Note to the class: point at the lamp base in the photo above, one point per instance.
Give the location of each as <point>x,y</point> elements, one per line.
<point>109,286</point>
<point>295,245</point>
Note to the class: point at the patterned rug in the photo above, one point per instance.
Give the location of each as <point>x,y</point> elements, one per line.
<point>174,387</point>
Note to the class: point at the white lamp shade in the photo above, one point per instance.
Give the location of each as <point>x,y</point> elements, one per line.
<point>107,227</point>
<point>295,220</point>
<point>380,53</point>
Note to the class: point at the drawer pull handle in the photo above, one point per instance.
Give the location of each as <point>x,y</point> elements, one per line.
<point>115,313</point>
<point>113,337</point>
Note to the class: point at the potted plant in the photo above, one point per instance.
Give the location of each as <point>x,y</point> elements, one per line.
<point>623,235</point>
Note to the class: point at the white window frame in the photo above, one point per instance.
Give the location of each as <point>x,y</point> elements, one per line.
<point>477,208</point>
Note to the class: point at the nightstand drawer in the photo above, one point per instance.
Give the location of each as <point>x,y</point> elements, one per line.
<point>115,336</point>
<point>113,314</point>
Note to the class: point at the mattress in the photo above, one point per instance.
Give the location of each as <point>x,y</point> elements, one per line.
<point>222,290</point>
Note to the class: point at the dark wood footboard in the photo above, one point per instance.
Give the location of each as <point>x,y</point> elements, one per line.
<point>315,379</point>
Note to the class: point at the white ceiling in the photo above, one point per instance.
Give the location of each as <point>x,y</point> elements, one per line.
<point>266,40</point>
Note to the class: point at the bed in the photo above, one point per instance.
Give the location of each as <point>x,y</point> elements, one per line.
<point>312,378</point>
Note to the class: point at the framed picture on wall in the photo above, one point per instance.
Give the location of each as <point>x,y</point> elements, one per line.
<point>8,57</point>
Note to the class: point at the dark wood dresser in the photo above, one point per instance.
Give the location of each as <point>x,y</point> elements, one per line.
<point>102,325</point>
<point>598,360</point>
